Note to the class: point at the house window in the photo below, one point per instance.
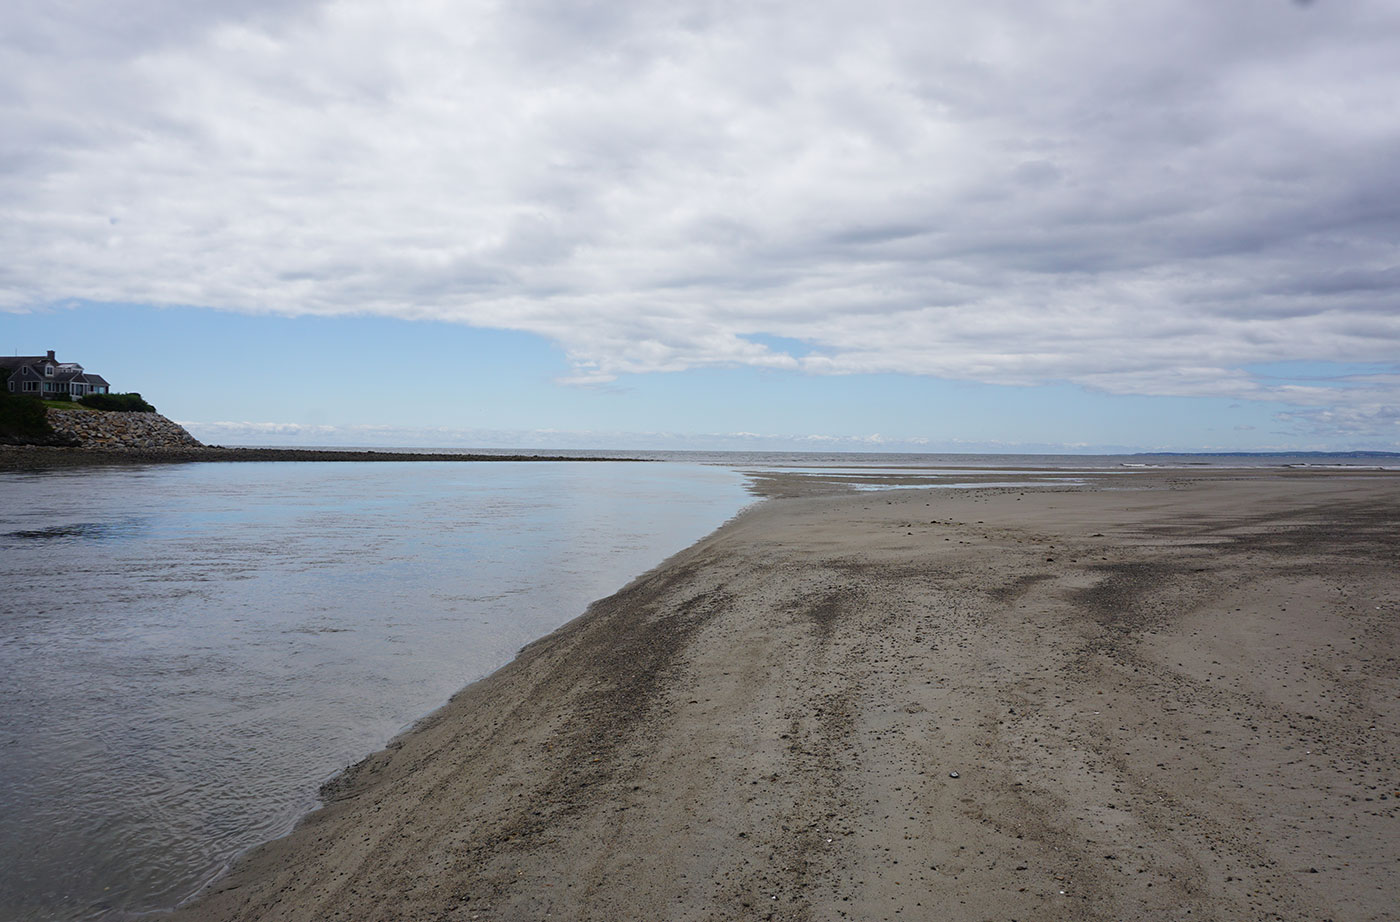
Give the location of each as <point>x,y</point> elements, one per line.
<point>48,371</point>
<point>31,385</point>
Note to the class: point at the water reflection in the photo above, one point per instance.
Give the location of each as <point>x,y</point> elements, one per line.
<point>186,652</point>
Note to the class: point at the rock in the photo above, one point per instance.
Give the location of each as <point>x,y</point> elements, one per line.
<point>108,430</point>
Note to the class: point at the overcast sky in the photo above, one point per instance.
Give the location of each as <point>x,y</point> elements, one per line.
<point>1157,199</point>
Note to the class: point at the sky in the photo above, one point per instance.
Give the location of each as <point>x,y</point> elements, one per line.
<point>891,226</point>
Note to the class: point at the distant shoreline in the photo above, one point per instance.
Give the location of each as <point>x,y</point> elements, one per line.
<point>39,457</point>
<point>31,457</point>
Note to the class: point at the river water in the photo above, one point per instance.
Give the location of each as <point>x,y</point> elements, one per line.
<point>188,651</point>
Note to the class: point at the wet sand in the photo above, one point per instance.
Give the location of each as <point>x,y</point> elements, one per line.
<point>1177,701</point>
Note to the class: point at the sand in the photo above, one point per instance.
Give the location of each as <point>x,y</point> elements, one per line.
<point>1175,699</point>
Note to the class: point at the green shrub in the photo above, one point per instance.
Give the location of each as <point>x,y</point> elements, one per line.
<point>23,419</point>
<point>122,403</point>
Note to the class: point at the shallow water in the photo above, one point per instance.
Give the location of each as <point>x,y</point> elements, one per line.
<point>188,651</point>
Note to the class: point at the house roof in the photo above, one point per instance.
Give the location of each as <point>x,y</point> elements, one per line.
<point>15,361</point>
<point>62,371</point>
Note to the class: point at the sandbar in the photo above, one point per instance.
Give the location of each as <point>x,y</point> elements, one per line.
<point>1169,696</point>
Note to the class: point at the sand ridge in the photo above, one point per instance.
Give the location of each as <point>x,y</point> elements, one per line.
<point>1176,701</point>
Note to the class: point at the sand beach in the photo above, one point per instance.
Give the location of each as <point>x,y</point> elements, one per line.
<point>1169,695</point>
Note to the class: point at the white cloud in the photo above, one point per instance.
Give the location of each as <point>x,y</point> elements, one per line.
<point>232,432</point>
<point>1139,198</point>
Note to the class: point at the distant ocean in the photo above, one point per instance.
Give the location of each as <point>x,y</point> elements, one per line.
<point>188,651</point>
<point>781,459</point>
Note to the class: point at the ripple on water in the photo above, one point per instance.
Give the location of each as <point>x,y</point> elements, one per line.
<point>186,654</point>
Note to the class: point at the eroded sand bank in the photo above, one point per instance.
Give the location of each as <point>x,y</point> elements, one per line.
<point>1180,701</point>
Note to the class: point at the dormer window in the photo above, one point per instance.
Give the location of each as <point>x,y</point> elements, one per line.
<point>48,371</point>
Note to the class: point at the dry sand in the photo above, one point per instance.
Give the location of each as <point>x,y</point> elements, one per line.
<point>1177,701</point>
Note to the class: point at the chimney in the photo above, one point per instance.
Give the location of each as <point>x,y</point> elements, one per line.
<point>51,358</point>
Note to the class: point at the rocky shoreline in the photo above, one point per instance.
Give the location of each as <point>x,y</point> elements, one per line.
<point>88,438</point>
<point>120,431</point>
<point>39,457</point>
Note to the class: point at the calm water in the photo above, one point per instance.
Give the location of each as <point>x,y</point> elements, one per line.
<point>187,652</point>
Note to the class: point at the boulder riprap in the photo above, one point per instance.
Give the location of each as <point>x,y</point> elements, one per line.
<point>105,430</point>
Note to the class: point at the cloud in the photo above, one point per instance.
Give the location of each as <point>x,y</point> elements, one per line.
<point>1136,198</point>
<point>1365,420</point>
<point>229,432</point>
